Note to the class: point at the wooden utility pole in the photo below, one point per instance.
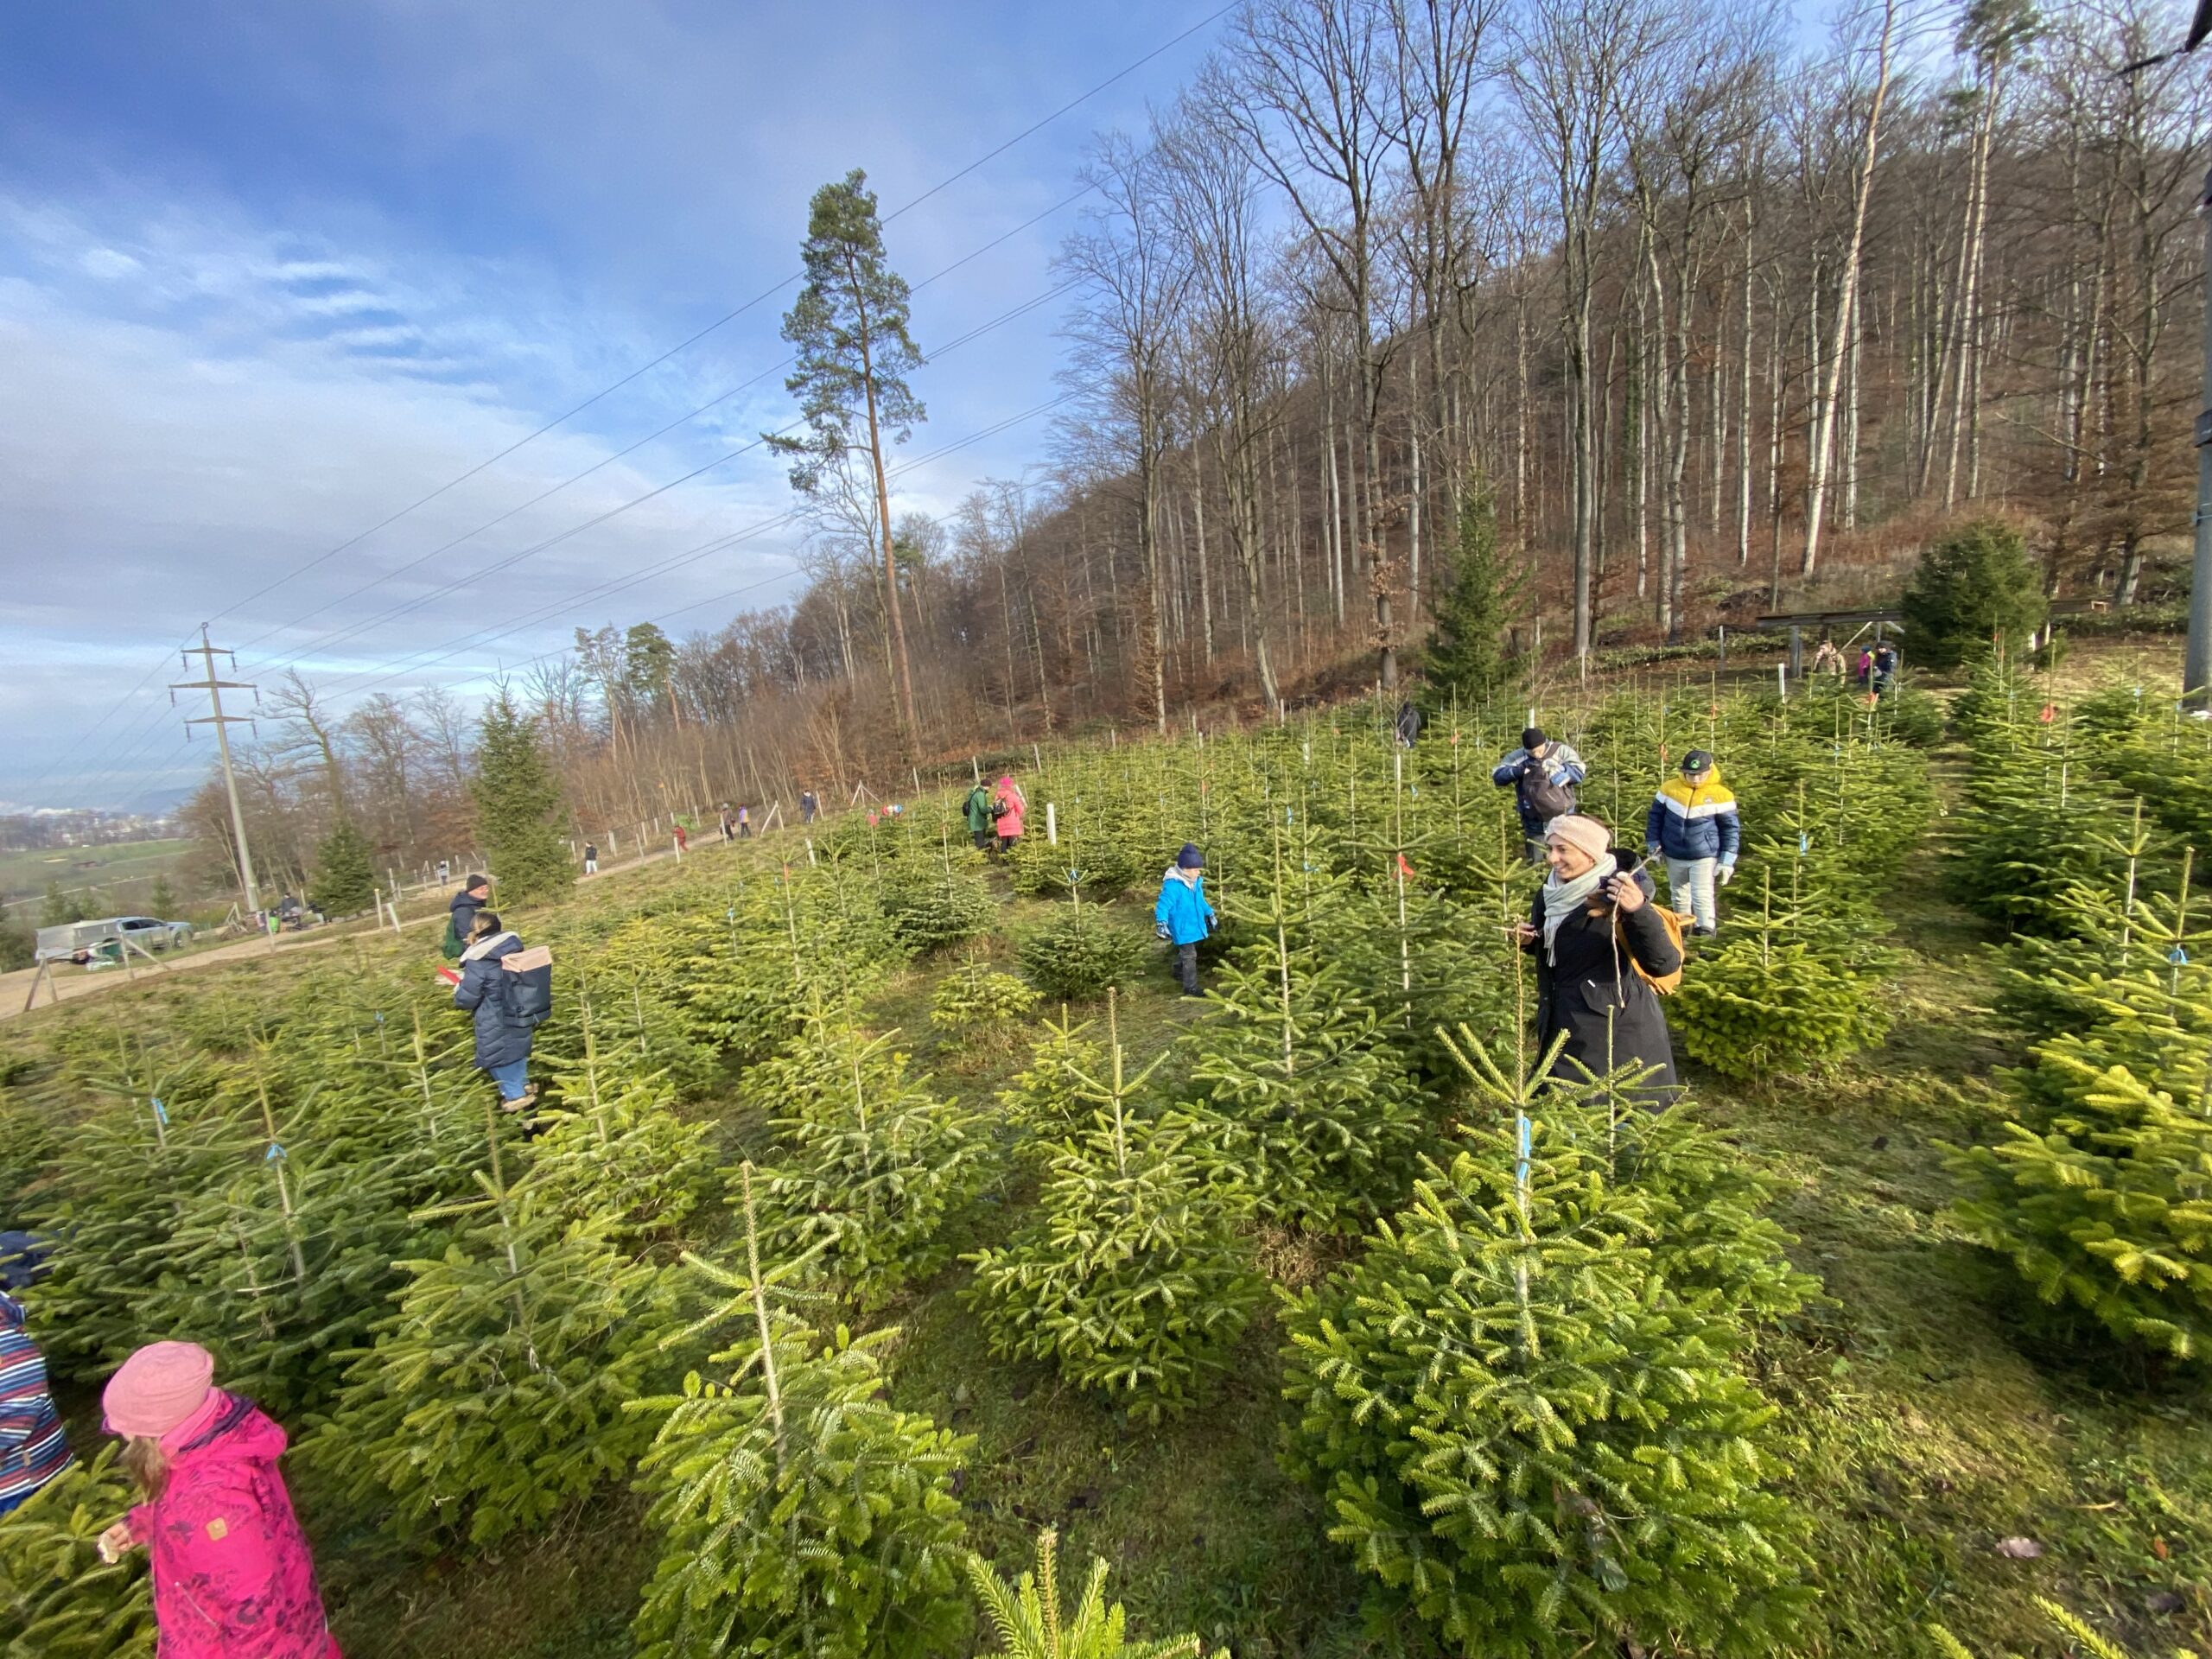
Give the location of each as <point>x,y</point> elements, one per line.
<point>222,723</point>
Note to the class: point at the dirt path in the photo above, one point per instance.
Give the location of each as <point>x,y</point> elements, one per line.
<point>71,981</point>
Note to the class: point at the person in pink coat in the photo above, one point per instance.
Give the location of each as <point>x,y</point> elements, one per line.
<point>1007,804</point>
<point>233,1575</point>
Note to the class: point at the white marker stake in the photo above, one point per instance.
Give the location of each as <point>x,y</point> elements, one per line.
<point>1052,825</point>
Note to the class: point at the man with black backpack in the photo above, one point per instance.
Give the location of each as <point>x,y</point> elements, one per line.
<point>1543,774</point>
<point>460,917</point>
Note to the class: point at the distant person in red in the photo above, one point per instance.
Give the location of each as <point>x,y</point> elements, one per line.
<point>233,1575</point>
<point>683,842</point>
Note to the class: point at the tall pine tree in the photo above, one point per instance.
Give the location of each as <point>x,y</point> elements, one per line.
<point>516,798</point>
<point>1466,660</point>
<point>344,883</point>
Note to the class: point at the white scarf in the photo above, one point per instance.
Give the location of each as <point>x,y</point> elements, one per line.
<point>484,947</point>
<point>1563,899</point>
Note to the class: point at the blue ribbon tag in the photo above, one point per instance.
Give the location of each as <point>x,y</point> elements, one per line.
<point>2178,957</point>
<point>1804,844</point>
<point>160,1112</point>
<point>1521,1158</point>
<point>274,1153</point>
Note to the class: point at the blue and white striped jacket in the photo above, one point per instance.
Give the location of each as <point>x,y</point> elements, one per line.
<point>33,1449</point>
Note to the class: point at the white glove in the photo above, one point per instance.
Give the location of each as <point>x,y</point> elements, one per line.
<point>1725,875</point>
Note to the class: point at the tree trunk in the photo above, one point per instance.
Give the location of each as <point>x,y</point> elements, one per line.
<point>1847,294</point>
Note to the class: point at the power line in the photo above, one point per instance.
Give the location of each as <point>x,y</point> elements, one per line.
<point>659,432</point>
<point>133,746</point>
<point>728,316</point>
<point>480,638</point>
<point>513,559</point>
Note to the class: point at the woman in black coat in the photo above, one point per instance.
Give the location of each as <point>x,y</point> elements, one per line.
<point>1592,921</point>
<point>503,1034</point>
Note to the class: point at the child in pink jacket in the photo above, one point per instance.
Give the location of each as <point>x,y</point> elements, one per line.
<point>232,1576</point>
<point>1008,802</point>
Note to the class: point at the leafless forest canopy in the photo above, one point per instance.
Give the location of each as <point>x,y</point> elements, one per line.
<point>1716,311</point>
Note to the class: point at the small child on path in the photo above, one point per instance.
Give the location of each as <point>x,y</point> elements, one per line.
<point>1182,916</point>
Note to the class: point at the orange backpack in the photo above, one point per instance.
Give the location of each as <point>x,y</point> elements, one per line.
<point>1662,984</point>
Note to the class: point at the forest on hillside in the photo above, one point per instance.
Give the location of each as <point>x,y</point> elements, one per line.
<point>1705,308</point>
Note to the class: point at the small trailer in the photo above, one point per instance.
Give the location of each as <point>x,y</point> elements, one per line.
<point>101,943</point>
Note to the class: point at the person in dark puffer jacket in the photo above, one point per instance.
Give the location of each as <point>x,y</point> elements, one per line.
<point>1694,826</point>
<point>503,1038</point>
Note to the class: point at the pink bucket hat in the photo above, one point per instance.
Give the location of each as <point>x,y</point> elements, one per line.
<point>1586,834</point>
<point>158,1387</point>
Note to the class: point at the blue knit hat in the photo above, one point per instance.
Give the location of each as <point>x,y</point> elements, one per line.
<point>1190,858</point>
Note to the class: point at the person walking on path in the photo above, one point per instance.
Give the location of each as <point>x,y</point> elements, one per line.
<point>1543,774</point>
<point>1182,916</point>
<point>978,808</point>
<point>807,806</point>
<point>1009,804</point>
<point>1593,928</point>
<point>591,858</point>
<point>508,1006</point>
<point>1827,659</point>
<point>745,823</point>
<point>683,841</point>
<point>1694,825</point>
<point>461,915</point>
<point>729,823</point>
<point>1408,724</point>
<point>32,1448</point>
<point>233,1575</point>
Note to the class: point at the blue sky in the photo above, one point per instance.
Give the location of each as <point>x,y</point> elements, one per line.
<point>270,273</point>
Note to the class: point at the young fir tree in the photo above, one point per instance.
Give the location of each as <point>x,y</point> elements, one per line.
<point>878,1162</point>
<point>516,798</point>
<point>163,900</point>
<point>58,1599</point>
<point>1525,1436</point>
<point>495,1393</point>
<point>1131,1277</point>
<point>149,1140</point>
<point>1786,991</point>
<point>1031,1622</point>
<point>2100,1192</point>
<point>343,884</point>
<point>282,1263</point>
<point>1047,1102</point>
<point>980,1009</point>
<point>801,1513</point>
<point>1466,662</point>
<point>1315,1104</point>
<point>613,1147</point>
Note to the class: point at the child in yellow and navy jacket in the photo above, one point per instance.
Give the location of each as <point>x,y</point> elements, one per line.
<point>1693,824</point>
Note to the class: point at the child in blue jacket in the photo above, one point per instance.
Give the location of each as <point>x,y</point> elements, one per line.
<point>1182,916</point>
